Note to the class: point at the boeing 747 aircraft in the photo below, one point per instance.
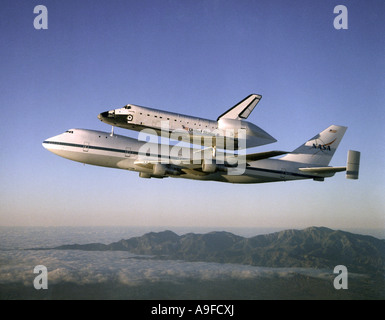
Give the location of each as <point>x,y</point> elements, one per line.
<point>309,161</point>
<point>223,132</point>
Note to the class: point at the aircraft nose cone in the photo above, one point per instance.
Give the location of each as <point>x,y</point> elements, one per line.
<point>103,115</point>
<point>47,143</point>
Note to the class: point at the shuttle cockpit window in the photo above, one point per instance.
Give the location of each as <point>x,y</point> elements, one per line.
<point>127,107</point>
<point>69,131</point>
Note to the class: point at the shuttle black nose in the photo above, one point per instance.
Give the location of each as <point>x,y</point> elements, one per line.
<point>105,115</point>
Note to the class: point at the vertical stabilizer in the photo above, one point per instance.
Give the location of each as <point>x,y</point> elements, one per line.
<point>242,109</point>
<point>319,150</point>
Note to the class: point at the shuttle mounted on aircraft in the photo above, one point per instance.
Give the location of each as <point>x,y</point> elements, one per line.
<point>309,161</point>
<point>229,131</point>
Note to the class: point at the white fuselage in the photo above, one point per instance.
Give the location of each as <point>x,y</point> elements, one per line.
<point>116,151</point>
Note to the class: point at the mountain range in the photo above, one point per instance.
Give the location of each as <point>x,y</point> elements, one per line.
<point>314,247</point>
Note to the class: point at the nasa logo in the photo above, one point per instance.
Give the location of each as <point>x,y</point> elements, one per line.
<point>321,147</point>
<point>319,144</point>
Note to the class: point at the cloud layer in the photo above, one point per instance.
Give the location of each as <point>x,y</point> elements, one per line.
<point>81,267</point>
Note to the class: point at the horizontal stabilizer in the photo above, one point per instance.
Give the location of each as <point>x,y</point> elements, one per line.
<point>323,170</point>
<point>242,109</point>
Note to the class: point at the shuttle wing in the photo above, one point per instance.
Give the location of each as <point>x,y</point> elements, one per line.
<point>242,109</point>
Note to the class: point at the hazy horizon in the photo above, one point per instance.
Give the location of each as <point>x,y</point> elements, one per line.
<point>182,230</point>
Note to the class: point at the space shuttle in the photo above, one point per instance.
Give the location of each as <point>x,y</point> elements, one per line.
<point>229,131</point>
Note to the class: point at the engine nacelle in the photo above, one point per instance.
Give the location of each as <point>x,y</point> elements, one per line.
<point>144,175</point>
<point>159,169</point>
<point>209,166</point>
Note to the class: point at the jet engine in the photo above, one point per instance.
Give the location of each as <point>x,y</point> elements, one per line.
<point>160,170</point>
<point>209,166</point>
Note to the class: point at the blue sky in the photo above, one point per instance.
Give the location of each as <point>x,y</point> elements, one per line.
<point>197,58</point>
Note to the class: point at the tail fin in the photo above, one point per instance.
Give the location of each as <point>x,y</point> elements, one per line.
<point>320,149</point>
<point>242,109</point>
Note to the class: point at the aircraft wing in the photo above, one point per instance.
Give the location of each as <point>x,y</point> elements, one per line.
<point>195,165</point>
<point>264,155</point>
<point>249,157</point>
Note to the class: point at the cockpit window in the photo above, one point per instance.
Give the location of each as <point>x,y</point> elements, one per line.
<point>69,131</point>
<point>127,107</point>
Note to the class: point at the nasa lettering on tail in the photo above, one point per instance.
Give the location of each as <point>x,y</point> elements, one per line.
<point>320,149</point>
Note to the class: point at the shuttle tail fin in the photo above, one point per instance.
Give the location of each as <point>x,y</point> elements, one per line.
<point>319,150</point>
<point>242,109</point>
